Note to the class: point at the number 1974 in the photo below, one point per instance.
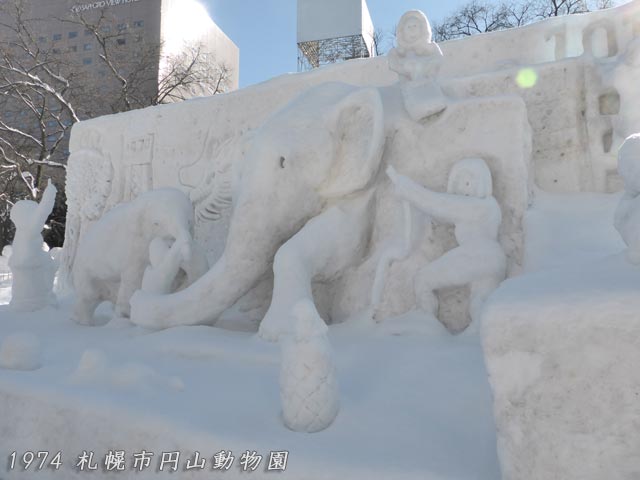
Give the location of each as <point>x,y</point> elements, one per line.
<point>37,459</point>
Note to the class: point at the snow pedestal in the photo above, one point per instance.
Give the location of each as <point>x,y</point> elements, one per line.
<point>562,350</point>
<point>32,286</point>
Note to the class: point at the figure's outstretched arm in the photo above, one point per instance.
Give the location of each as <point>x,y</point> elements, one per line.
<point>46,204</point>
<point>444,207</point>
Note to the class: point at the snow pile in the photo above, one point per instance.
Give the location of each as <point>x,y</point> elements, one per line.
<point>20,351</point>
<point>95,368</point>
<point>560,347</point>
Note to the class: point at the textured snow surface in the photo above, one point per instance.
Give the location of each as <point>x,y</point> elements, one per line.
<point>411,407</point>
<point>562,345</point>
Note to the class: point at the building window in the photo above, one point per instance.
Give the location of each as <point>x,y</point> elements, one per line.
<point>87,61</point>
<point>73,34</point>
<point>138,23</point>
<point>87,32</point>
<point>121,41</point>
<point>42,39</point>
<point>122,26</point>
<point>88,46</point>
<point>57,36</point>
<point>105,29</point>
<point>51,123</point>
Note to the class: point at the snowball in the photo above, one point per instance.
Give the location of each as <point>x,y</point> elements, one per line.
<point>20,351</point>
<point>94,368</point>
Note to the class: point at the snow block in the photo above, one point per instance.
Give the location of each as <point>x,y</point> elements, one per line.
<point>561,349</point>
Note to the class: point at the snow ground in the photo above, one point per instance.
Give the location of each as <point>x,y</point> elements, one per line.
<point>412,407</point>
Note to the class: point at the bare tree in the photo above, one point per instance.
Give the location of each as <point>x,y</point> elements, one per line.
<point>479,16</point>
<point>44,91</point>
<point>151,77</point>
<point>474,17</point>
<point>379,38</point>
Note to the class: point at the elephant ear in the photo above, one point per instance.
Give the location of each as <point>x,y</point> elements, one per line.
<point>356,125</point>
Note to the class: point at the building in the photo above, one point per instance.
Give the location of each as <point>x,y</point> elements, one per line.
<point>174,24</point>
<point>333,31</point>
<point>145,39</point>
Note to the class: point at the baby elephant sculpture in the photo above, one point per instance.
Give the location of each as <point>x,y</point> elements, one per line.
<point>113,254</point>
<point>300,205</point>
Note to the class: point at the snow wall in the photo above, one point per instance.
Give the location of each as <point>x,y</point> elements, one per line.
<point>562,134</point>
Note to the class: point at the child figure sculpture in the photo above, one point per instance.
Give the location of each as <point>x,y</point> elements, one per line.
<point>468,204</point>
<point>165,262</point>
<point>627,216</point>
<point>417,60</point>
<point>32,269</point>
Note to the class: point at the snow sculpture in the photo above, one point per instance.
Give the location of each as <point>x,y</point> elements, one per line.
<point>112,256</point>
<point>308,384</point>
<point>627,216</point>
<point>314,167</point>
<point>417,60</point>
<point>468,204</point>
<point>32,268</point>
<point>90,165</point>
<point>310,165</point>
<point>165,262</point>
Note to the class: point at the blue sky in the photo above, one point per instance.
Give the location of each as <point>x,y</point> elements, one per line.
<point>265,30</point>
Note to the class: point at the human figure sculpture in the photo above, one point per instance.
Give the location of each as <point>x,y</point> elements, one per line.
<point>165,262</point>
<point>627,215</point>
<point>468,204</point>
<point>32,268</point>
<point>417,60</point>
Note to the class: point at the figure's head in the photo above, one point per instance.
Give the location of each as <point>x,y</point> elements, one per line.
<point>22,213</point>
<point>414,30</point>
<point>629,164</point>
<point>470,177</point>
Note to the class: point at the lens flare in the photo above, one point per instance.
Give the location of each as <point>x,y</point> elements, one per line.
<point>527,78</point>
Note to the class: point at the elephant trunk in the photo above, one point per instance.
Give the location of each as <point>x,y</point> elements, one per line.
<point>246,258</point>
<point>202,302</point>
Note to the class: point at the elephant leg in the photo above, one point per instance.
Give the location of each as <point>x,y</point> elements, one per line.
<point>131,281</point>
<point>87,300</point>
<point>321,250</point>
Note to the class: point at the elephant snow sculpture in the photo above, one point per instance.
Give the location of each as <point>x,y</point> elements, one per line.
<point>112,257</point>
<point>301,204</point>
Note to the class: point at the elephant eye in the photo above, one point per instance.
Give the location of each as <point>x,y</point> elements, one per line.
<point>282,162</point>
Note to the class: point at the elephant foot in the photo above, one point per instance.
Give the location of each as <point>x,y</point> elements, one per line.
<point>276,323</point>
<point>141,314</point>
<point>273,327</point>
<point>83,313</point>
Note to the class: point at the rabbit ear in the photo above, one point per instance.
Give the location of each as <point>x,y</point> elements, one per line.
<point>357,129</point>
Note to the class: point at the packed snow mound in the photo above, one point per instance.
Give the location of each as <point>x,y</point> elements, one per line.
<point>20,351</point>
<point>94,368</point>
<point>560,348</point>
